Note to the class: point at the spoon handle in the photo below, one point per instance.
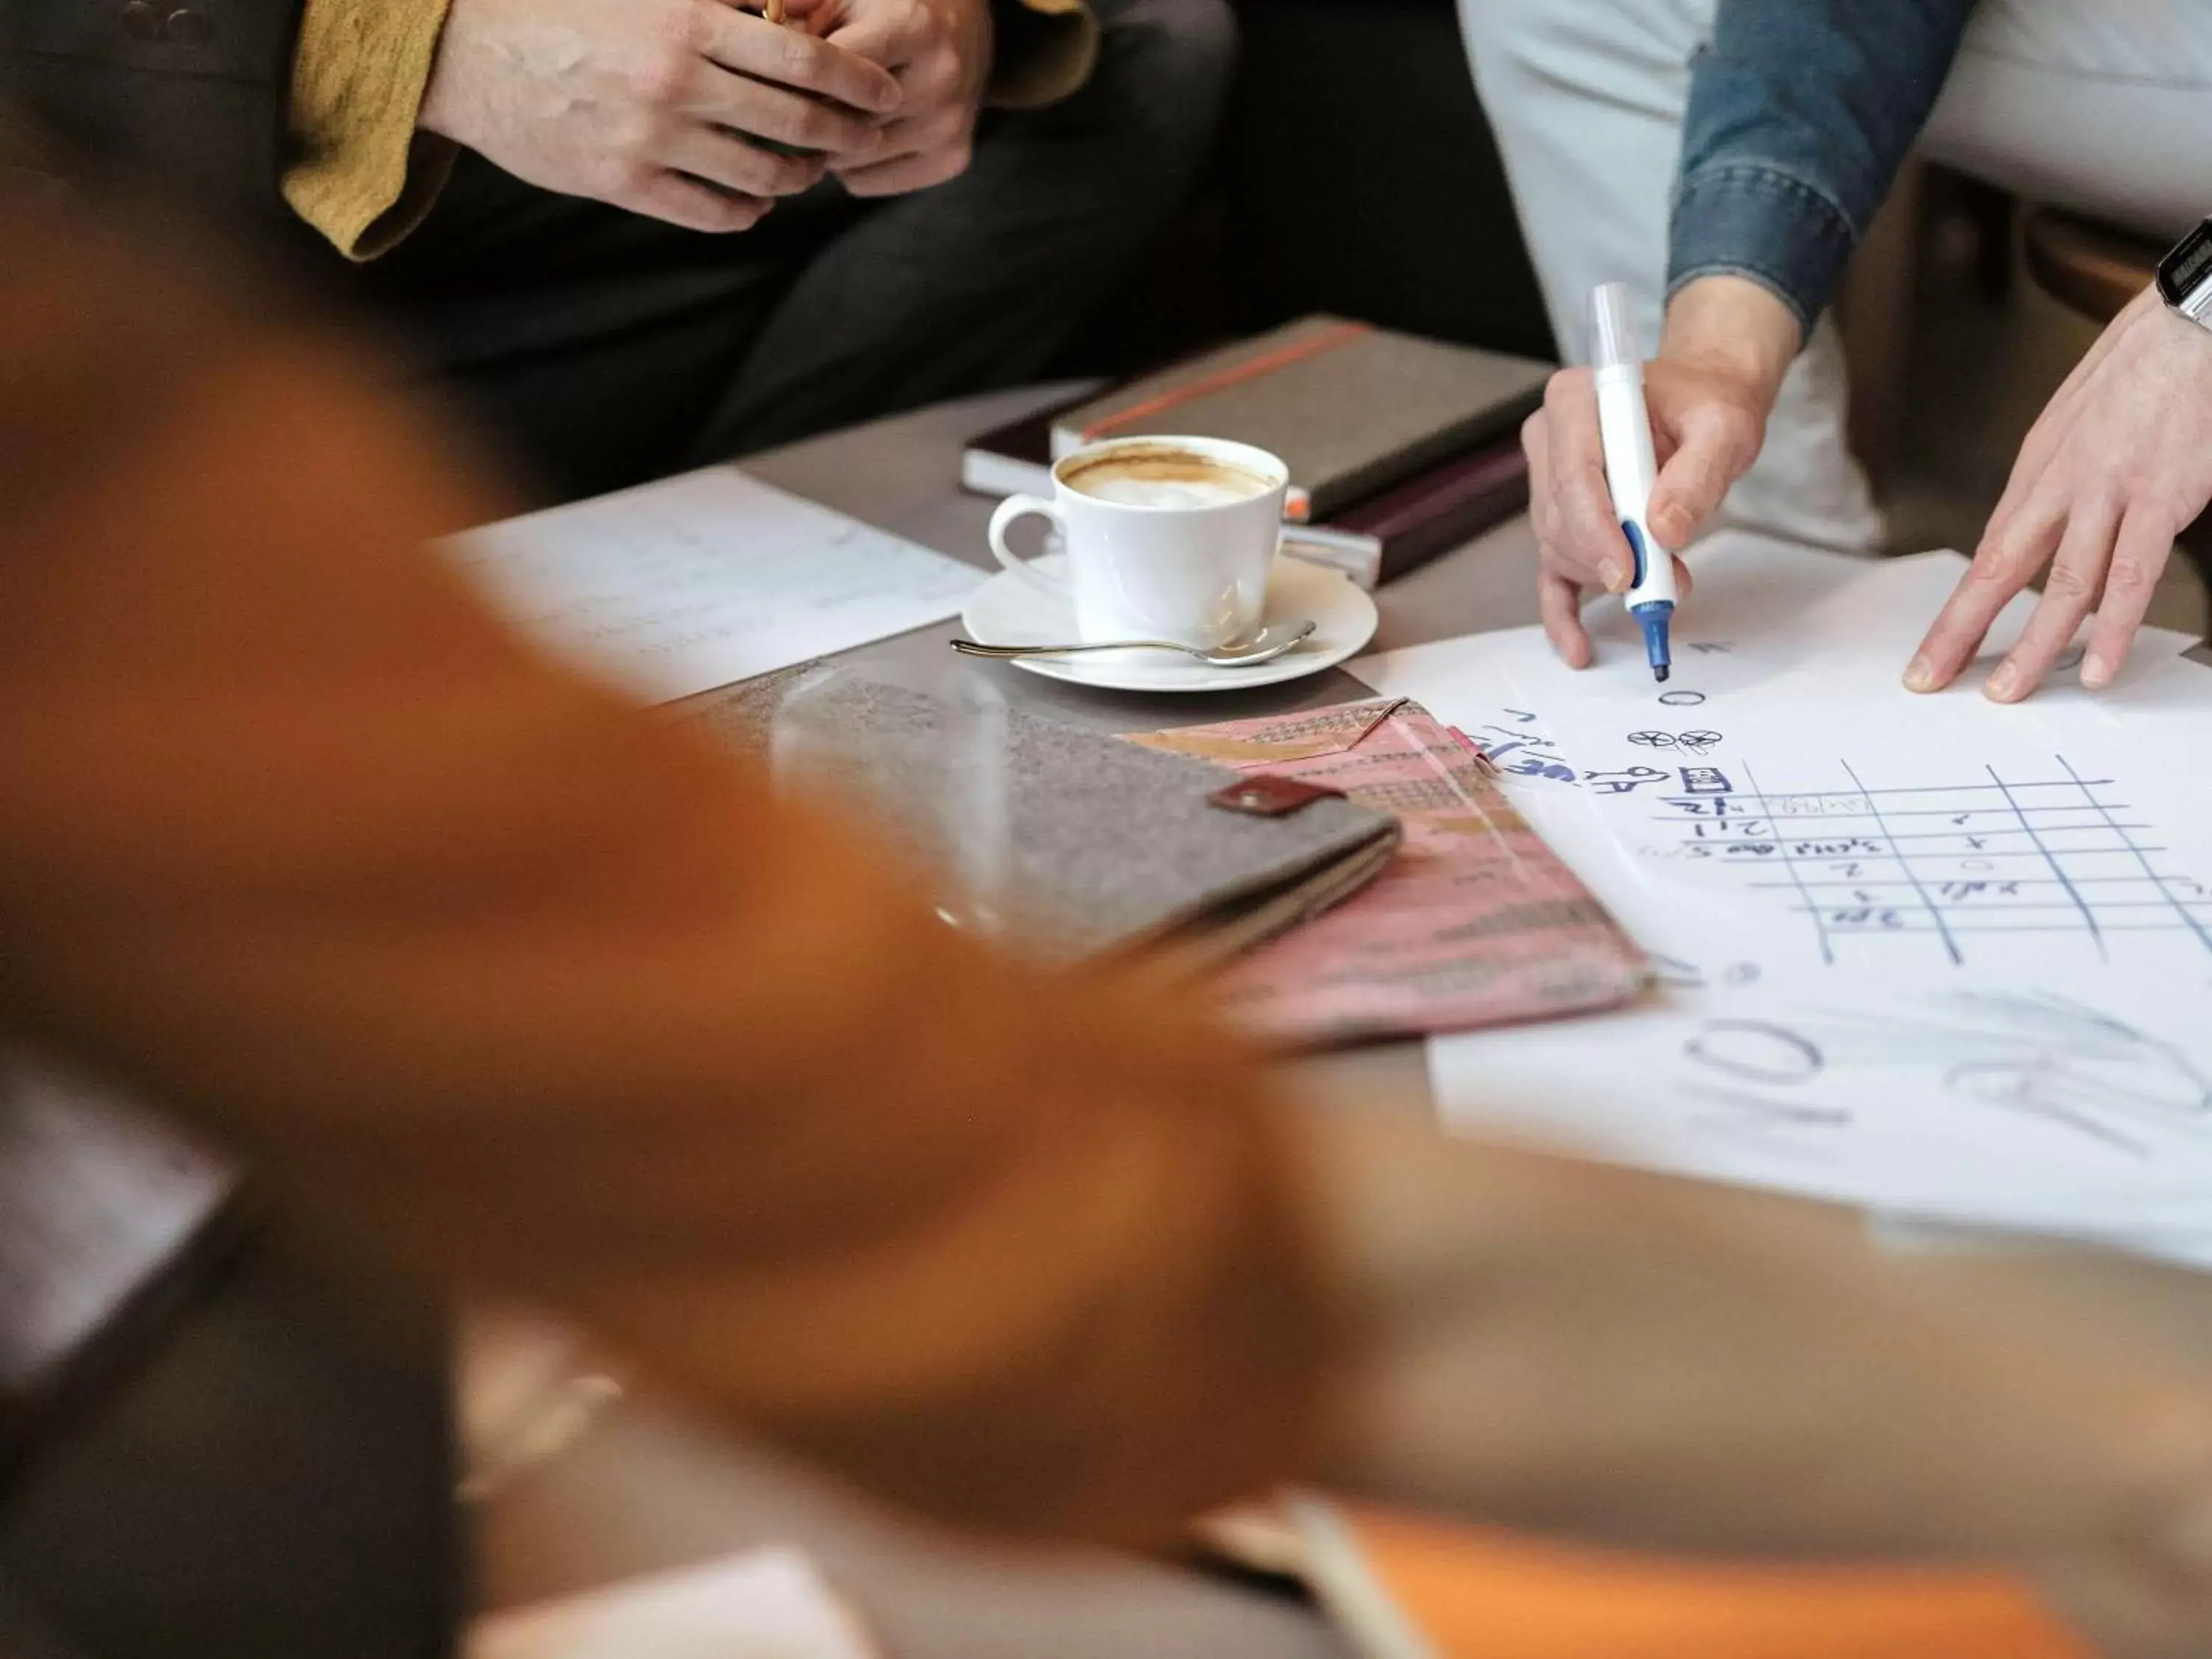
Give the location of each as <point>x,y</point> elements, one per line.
<point>977,648</point>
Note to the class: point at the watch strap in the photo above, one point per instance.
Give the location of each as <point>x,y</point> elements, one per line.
<point>2185,276</point>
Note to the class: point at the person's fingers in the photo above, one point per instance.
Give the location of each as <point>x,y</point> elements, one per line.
<point>1536,445</point>
<point>1560,602</point>
<point>1543,510</point>
<point>892,35</point>
<point>2037,450</point>
<point>2041,446</point>
<point>2144,545</point>
<point>1715,443</point>
<point>1587,546</point>
<point>1683,581</point>
<point>693,205</point>
<point>792,58</point>
<point>722,99</point>
<point>903,174</point>
<point>2069,593</point>
<point>725,159</point>
<point>2002,566</point>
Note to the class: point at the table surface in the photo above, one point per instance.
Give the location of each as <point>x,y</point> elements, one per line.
<point>901,475</point>
<point>651,1490</point>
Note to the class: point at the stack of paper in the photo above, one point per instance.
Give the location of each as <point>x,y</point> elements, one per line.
<point>701,580</point>
<point>1928,954</point>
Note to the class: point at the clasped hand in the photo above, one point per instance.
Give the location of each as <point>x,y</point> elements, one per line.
<point>2119,464</point>
<point>654,105</point>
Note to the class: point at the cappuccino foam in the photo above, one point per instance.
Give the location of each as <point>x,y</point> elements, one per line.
<point>1170,478</point>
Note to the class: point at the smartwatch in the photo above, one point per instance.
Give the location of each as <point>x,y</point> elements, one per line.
<point>2184,277</point>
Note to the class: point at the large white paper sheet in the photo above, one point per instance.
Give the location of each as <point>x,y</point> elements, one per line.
<point>1888,839</point>
<point>696,581</point>
<point>1785,794</point>
<point>2001,1104</point>
<point>1811,854</point>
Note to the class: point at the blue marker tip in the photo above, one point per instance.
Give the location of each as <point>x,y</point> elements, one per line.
<point>1655,617</point>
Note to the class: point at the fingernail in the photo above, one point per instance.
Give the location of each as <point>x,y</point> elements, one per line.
<point>1919,675</point>
<point>1615,575</point>
<point>2004,684</point>
<point>2096,671</point>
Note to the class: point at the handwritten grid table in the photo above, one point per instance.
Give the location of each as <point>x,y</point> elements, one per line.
<point>1953,868</point>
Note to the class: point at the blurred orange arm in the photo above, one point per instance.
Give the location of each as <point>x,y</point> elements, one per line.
<point>556,1002</point>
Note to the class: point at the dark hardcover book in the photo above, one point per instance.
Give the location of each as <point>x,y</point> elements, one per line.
<point>1352,409</point>
<point>1015,458</point>
<point>1447,505</point>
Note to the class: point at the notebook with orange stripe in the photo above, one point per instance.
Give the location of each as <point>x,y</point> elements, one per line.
<point>1351,409</point>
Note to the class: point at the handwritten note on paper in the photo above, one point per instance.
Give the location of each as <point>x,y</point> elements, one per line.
<point>1923,952</point>
<point>1785,794</point>
<point>2000,1104</point>
<point>698,581</point>
<point>1763,610</point>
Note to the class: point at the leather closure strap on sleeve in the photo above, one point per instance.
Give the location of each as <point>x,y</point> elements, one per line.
<point>362,175</point>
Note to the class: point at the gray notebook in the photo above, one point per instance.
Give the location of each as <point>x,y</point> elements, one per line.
<point>1351,409</point>
<point>1115,846</point>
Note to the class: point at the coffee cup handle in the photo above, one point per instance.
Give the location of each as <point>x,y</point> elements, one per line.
<point>1015,507</point>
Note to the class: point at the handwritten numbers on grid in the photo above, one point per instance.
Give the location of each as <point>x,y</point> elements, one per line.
<point>1951,870</point>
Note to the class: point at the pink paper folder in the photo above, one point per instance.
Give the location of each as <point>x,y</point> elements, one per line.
<point>1476,922</point>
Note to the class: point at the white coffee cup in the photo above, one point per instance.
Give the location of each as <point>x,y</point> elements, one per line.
<point>1167,538</point>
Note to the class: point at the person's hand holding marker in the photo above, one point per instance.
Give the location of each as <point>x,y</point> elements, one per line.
<point>1728,343</point>
<point>1631,469</point>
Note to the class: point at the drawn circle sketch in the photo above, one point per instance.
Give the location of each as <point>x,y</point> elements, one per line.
<point>1756,1051</point>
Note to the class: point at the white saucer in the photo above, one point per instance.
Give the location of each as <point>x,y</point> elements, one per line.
<point>1007,611</point>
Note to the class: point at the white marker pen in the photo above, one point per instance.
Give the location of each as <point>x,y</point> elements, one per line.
<point>1623,422</point>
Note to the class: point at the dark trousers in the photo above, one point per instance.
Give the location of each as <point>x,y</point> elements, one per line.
<point>601,348</point>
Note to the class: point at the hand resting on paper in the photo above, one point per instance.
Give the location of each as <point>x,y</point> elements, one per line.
<point>2118,465</point>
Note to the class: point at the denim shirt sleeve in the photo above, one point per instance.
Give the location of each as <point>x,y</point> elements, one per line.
<point>1801,113</point>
